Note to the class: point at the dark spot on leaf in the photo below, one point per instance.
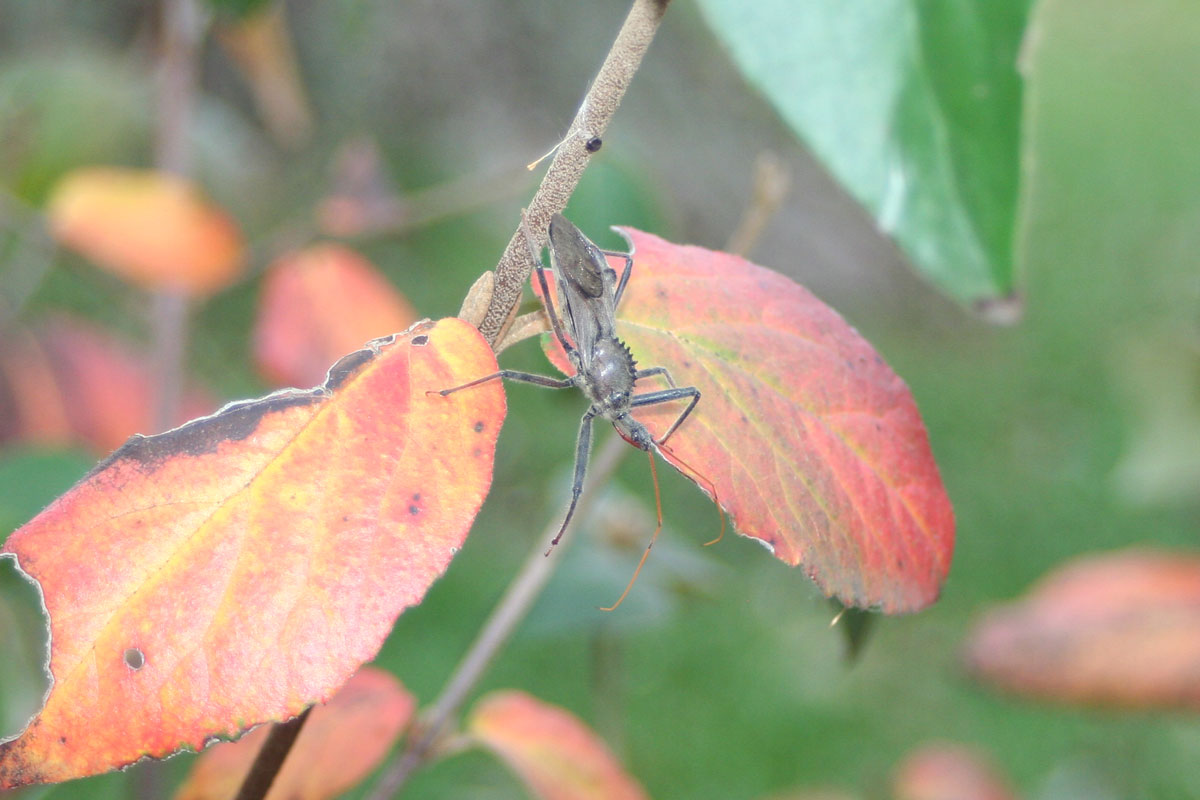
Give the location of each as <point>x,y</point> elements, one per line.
<point>479,427</point>
<point>477,452</point>
<point>346,367</point>
<point>414,510</point>
<point>135,659</point>
<point>345,517</point>
<point>660,293</point>
<point>62,740</point>
<point>234,422</point>
<point>420,341</point>
<point>416,498</point>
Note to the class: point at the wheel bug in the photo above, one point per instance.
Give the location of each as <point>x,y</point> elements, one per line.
<point>605,371</point>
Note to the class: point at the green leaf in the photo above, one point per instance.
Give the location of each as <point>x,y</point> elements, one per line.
<point>238,9</point>
<point>914,107</point>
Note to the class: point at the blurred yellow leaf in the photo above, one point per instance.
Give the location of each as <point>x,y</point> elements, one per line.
<point>150,228</point>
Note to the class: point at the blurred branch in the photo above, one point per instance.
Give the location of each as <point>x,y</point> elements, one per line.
<point>183,27</point>
<point>428,733</point>
<point>772,180</point>
<point>571,158</point>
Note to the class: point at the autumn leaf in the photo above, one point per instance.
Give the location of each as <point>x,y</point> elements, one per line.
<point>814,445</point>
<point>68,380</point>
<point>318,303</point>
<point>1116,629</point>
<point>556,755</point>
<point>261,46</point>
<point>947,771</point>
<point>148,227</point>
<point>241,567</point>
<point>339,745</point>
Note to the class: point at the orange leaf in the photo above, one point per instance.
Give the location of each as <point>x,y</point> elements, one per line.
<point>71,380</point>
<point>1114,630</point>
<point>148,227</point>
<point>317,304</point>
<point>813,443</point>
<point>241,567</point>
<point>949,772</point>
<point>261,46</point>
<point>340,744</point>
<point>557,756</point>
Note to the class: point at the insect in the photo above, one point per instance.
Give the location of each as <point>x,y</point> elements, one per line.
<point>605,371</point>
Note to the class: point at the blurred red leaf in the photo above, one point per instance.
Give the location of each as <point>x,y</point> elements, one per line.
<point>815,446</point>
<point>241,567</point>
<point>148,227</point>
<point>317,304</point>
<point>949,772</point>
<point>339,745</point>
<point>1117,629</point>
<point>362,199</point>
<point>71,381</point>
<point>556,755</point>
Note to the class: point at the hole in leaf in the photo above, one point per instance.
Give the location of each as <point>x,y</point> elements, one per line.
<point>135,659</point>
<point>420,341</point>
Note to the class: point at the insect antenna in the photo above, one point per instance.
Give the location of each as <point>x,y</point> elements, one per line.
<point>704,482</point>
<point>653,536</point>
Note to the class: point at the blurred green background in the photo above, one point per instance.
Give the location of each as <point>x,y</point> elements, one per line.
<point>1073,429</point>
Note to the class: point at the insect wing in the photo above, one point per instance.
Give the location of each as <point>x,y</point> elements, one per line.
<point>585,285</point>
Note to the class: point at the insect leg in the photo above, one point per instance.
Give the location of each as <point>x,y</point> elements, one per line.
<point>555,320</point>
<point>646,373</point>
<point>624,273</point>
<point>512,375</point>
<point>582,449</point>
<point>666,396</point>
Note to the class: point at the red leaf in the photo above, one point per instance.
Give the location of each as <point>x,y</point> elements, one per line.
<point>555,754</point>
<point>70,380</point>
<point>241,567</point>
<point>339,745</point>
<point>1117,629</point>
<point>317,304</point>
<point>148,227</point>
<point>813,443</point>
<point>949,772</point>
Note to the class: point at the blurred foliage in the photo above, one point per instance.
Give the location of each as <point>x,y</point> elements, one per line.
<point>730,683</point>
<point>915,107</point>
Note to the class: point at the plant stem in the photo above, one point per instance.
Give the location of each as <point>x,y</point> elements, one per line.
<point>512,608</point>
<point>182,32</point>
<point>271,757</point>
<point>571,158</point>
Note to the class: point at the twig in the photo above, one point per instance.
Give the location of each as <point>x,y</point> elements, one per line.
<point>772,180</point>
<point>512,608</point>
<point>271,757</point>
<point>182,31</point>
<point>562,177</point>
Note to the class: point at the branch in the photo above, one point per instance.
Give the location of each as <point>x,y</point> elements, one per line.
<point>512,608</point>
<point>271,757</point>
<point>571,158</point>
